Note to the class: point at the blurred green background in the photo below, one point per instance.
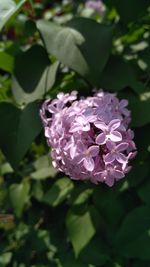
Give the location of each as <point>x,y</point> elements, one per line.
<point>46,219</point>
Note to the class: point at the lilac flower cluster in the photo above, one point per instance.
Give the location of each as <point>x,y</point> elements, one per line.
<point>89,137</point>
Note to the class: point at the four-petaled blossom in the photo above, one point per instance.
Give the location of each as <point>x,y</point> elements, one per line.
<point>115,153</point>
<point>81,123</point>
<point>108,132</point>
<point>110,174</point>
<point>89,137</point>
<point>86,155</point>
<point>122,107</point>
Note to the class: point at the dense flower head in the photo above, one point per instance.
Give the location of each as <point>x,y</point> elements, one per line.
<point>89,137</point>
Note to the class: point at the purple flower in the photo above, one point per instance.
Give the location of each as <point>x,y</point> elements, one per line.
<point>122,107</point>
<point>115,152</point>
<point>86,155</point>
<point>81,123</point>
<point>96,5</point>
<point>110,174</point>
<point>61,100</point>
<point>90,138</point>
<point>108,132</point>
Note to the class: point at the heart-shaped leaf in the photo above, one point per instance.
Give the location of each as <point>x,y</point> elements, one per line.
<point>81,227</point>
<point>33,75</point>
<point>83,45</point>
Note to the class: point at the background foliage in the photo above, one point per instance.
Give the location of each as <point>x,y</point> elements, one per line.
<point>51,46</point>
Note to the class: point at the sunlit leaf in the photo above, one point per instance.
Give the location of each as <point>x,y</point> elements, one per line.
<point>79,45</point>
<point>19,196</point>
<point>33,75</point>
<point>81,228</point>
<point>7,9</point>
<point>6,62</point>
<point>58,192</point>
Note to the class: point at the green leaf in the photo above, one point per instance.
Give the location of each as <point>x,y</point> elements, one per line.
<point>130,10</point>
<point>110,198</point>
<point>145,57</point>
<point>29,67</point>
<point>140,170</point>
<point>5,258</point>
<point>7,9</point>
<point>140,108</point>
<point>58,192</point>
<point>68,260</point>
<point>79,45</point>
<point>144,192</point>
<point>20,127</point>
<point>44,168</point>
<point>44,173</point>
<point>81,228</point>
<point>115,73</point>
<point>95,253</point>
<point>83,197</point>
<point>133,237</point>
<point>45,84</point>
<point>19,196</point>
<point>42,162</point>
<point>6,62</point>
<point>140,263</point>
<point>37,191</point>
<point>6,168</point>
<point>33,75</point>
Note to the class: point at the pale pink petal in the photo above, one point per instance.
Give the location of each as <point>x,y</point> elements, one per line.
<point>88,164</point>
<point>109,180</point>
<point>101,125</point>
<point>121,158</point>
<point>91,118</point>
<point>86,128</point>
<point>81,120</point>
<point>81,147</point>
<point>93,150</point>
<point>79,158</point>
<point>101,139</point>
<point>115,136</point>
<point>75,128</point>
<point>60,105</point>
<point>114,124</point>
<point>127,169</point>
<point>88,112</point>
<point>118,174</point>
<point>52,108</point>
<point>132,155</point>
<point>126,112</point>
<point>110,157</point>
<point>102,174</point>
<point>73,151</point>
<point>60,96</point>
<point>123,103</point>
<point>132,145</point>
<point>121,147</point>
<point>130,134</point>
<point>47,132</point>
<point>110,145</point>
